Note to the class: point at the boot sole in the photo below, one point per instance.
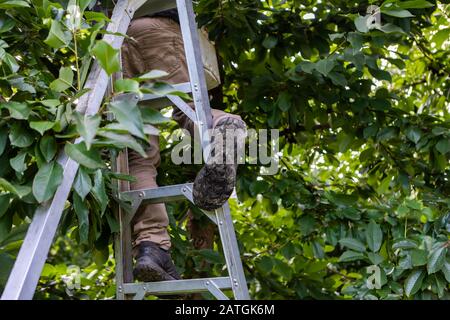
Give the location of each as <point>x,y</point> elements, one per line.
<point>150,272</point>
<point>213,185</point>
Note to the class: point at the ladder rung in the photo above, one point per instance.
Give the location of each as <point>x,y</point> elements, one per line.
<point>177,286</point>
<point>160,194</point>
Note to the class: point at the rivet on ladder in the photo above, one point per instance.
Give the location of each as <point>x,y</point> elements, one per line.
<point>220,222</point>
<point>184,189</point>
<point>236,283</point>
<point>207,283</point>
<point>141,194</point>
<point>145,288</point>
<point>195,87</point>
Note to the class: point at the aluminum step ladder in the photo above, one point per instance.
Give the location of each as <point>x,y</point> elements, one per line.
<point>25,274</point>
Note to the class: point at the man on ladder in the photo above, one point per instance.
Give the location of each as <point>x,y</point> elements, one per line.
<point>156,43</point>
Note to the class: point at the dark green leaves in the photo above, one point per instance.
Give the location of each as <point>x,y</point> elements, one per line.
<point>374,236</point>
<point>82,212</point>
<point>436,259</point>
<point>353,244</point>
<point>270,42</point>
<point>414,282</point>
<point>64,81</point>
<point>89,158</point>
<point>58,38</point>
<point>47,180</point>
<point>129,116</point>
<point>17,110</point>
<point>47,146</point>
<point>20,136</point>
<point>107,56</point>
<point>82,183</point>
<point>443,146</point>
<point>87,127</point>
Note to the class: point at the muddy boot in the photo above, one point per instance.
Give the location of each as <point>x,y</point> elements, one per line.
<point>216,180</point>
<point>154,264</point>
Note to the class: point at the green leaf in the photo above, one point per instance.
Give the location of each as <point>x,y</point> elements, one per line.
<point>82,213</point>
<point>107,56</point>
<point>419,257</point>
<point>7,262</point>
<point>443,146</point>
<point>3,139</point>
<point>284,101</point>
<point>87,127</point>
<point>18,162</point>
<point>128,114</point>
<point>82,183</point>
<point>390,28</point>
<point>47,146</point>
<point>399,13</point>
<point>89,158</point>
<point>126,85</point>
<point>375,258</point>
<point>152,75</point>
<point>353,244</point>
<point>338,79</point>
<point>99,192</point>
<point>153,116</point>
<point>9,4</point>
<point>18,110</point>
<point>47,180</point>
<point>270,42</point>
<point>324,66</point>
<point>414,282</point>
<point>374,236</point>
<point>120,140</point>
<point>57,38</point>
<point>414,134</point>
<point>41,126</point>
<point>436,259</point>
<point>380,74</point>
<point>20,136</point>
<point>349,255</point>
<point>265,264</point>
<point>18,190</point>
<point>11,62</point>
<point>361,24</point>
<point>414,4</point>
<point>64,81</point>
<point>446,271</point>
<point>440,37</point>
<point>5,200</point>
<point>211,256</point>
<point>404,244</point>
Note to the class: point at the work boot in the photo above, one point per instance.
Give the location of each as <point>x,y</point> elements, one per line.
<point>215,182</point>
<point>154,264</point>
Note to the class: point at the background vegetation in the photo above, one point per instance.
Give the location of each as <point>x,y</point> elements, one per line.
<point>364,123</point>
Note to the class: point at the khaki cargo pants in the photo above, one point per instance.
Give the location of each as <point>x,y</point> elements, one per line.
<point>156,44</point>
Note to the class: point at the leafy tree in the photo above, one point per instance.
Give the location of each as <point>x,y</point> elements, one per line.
<point>363,114</point>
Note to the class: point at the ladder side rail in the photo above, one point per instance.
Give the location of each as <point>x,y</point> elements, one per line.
<point>27,268</point>
<point>193,54</point>
<point>231,253</point>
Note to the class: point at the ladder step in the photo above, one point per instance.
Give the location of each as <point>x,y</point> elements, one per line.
<point>177,286</point>
<point>160,194</point>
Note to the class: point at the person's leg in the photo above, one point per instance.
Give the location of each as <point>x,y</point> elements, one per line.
<point>151,240</point>
<point>160,44</point>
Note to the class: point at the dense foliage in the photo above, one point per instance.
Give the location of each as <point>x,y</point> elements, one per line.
<point>363,114</point>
